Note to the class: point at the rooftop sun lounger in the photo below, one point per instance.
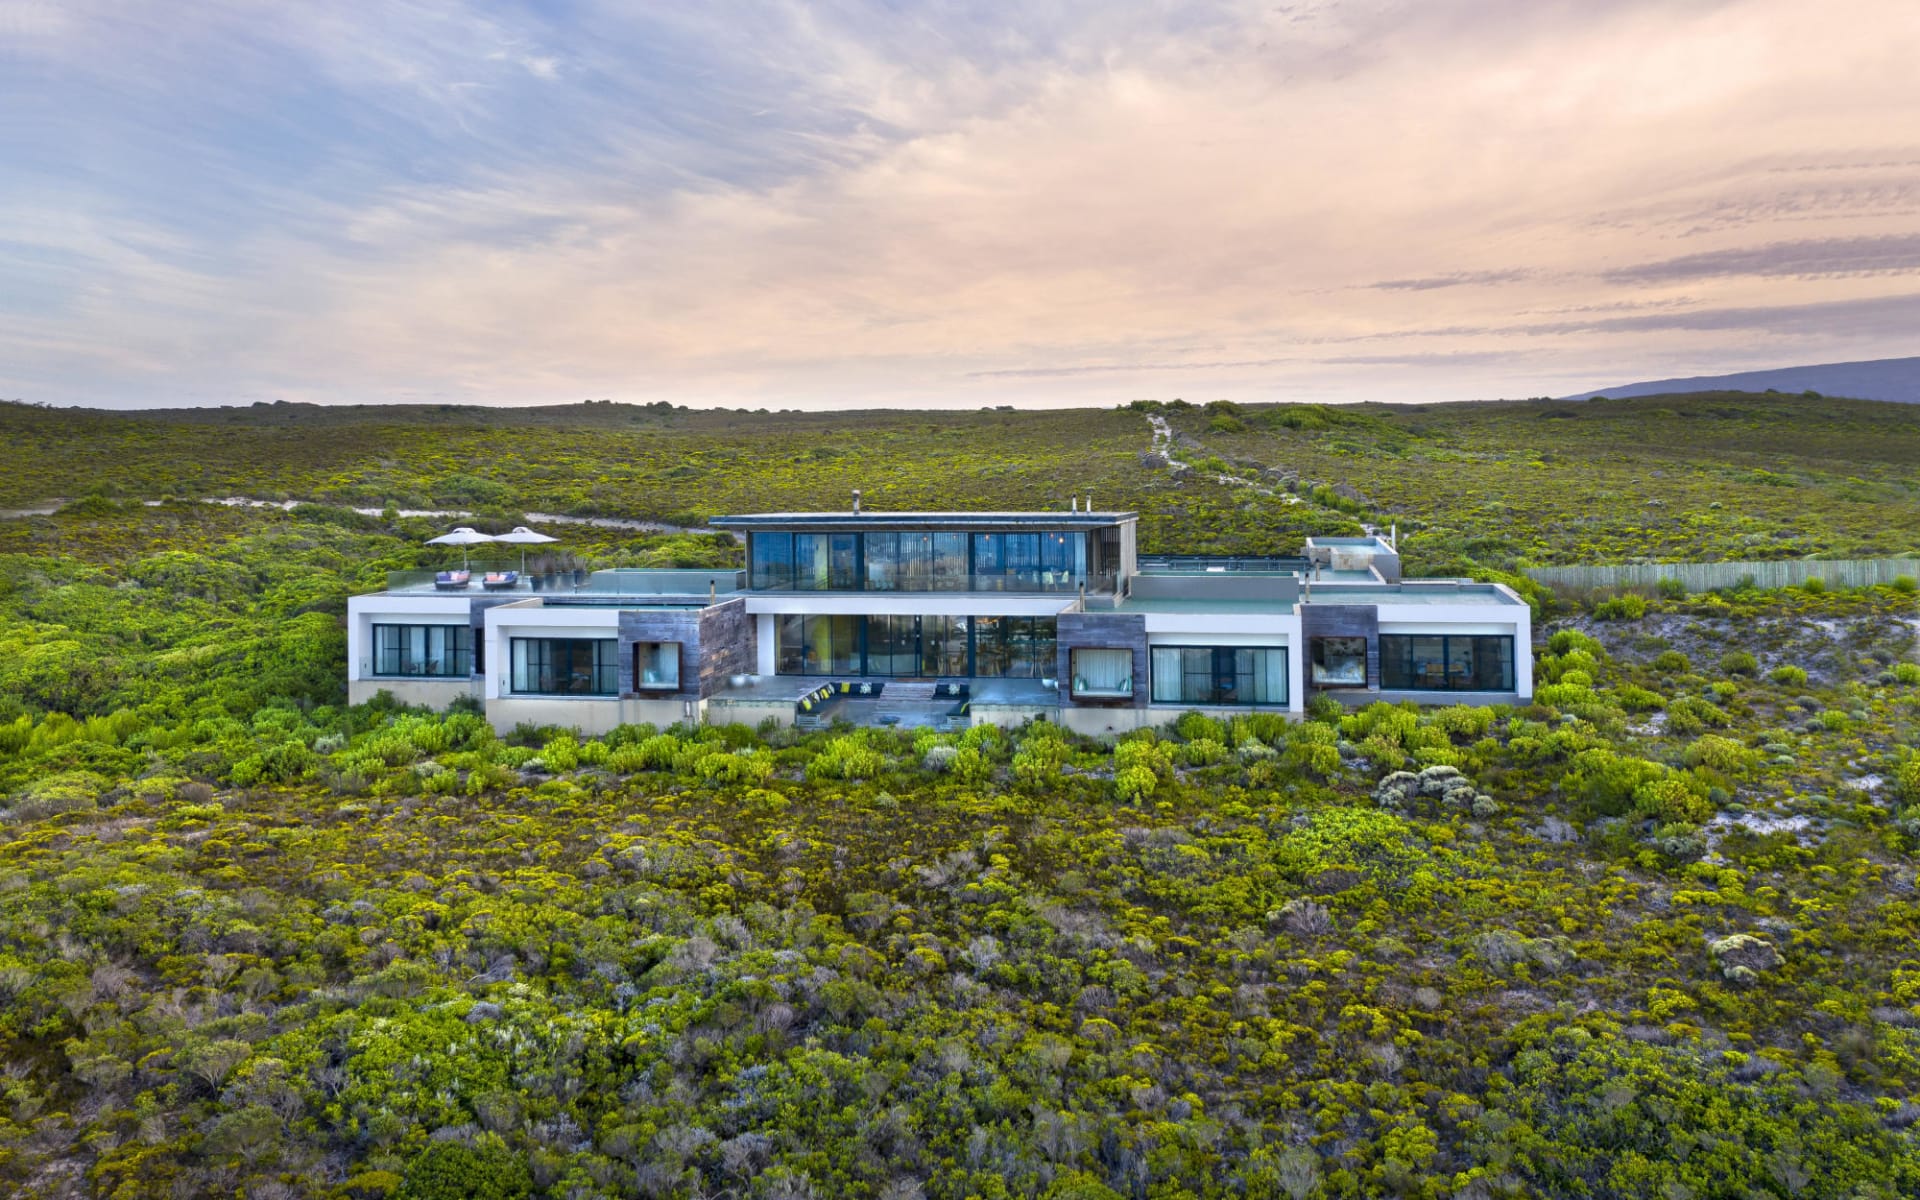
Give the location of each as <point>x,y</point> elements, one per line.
<point>452,581</point>
<point>495,581</point>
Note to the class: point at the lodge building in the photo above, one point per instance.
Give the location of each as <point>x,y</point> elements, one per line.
<point>946,619</point>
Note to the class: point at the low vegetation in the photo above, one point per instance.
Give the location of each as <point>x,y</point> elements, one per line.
<point>1651,935</point>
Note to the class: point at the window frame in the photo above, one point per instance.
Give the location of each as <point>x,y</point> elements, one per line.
<point>662,651</point>
<point>1076,676</point>
<point>461,648</point>
<point>1213,673</point>
<point>1505,659</point>
<point>602,666</point>
<point>1315,665</point>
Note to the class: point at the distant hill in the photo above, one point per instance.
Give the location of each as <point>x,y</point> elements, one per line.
<point>1878,379</point>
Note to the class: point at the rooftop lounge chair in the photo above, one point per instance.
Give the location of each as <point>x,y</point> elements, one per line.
<point>453,581</point>
<point>498,581</point>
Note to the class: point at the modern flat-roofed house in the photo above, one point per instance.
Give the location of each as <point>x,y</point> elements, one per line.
<point>947,618</point>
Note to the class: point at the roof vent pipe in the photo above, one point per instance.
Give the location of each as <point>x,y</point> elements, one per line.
<point>1076,503</point>
<point>1089,501</point>
<point>856,502</point>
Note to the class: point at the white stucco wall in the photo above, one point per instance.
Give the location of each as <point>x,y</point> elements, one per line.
<point>364,612</point>
<point>1515,620</point>
<point>1234,629</point>
<point>529,618</point>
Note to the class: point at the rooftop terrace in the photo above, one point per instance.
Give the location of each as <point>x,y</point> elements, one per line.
<point>1069,519</point>
<point>582,586</point>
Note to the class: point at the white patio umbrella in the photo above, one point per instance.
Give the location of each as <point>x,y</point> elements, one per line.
<point>524,537</point>
<point>462,537</point>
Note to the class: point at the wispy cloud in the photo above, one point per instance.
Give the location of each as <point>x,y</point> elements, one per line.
<point>1823,258</point>
<point>1450,280</point>
<point>780,203</point>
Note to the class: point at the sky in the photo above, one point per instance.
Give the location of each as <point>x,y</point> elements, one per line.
<point>946,204</point>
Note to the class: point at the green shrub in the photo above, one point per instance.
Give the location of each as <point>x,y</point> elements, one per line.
<point>1565,641</point>
<point>1671,799</point>
<point>1634,698</point>
<point>1722,754</point>
<point>1193,726</point>
<point>1906,779</point>
<point>1788,675</point>
<point>1672,662</point>
<point>451,1171</point>
<point>726,766</point>
<point>561,753</point>
<point>1671,589</point>
<point>69,791</point>
<point>1314,747</point>
<point>1145,752</point>
<point>1907,673</point>
<point>1203,752</point>
<point>1463,720</point>
<point>848,757</point>
<point>1134,784</point>
<point>1905,584</point>
<point>1608,781</point>
<point>1624,607</point>
<point>1739,662</point>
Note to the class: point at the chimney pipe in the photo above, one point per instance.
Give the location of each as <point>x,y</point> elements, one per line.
<point>856,502</point>
<point>1089,501</point>
<point>1076,503</point>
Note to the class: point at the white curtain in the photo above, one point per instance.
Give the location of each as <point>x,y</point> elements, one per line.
<point>1103,671</point>
<point>1268,673</point>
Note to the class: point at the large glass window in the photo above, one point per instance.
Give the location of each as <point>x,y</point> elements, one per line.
<point>1102,672</point>
<point>826,561</point>
<point>948,562</point>
<point>431,650</point>
<point>1222,675</point>
<point>883,562</point>
<point>943,646</point>
<point>905,645</point>
<point>566,666</point>
<point>1449,662</point>
<point>1339,662</point>
<point>1029,562</point>
<point>770,558</point>
<point>1014,647</point>
<point>1063,560</point>
<point>656,666</point>
<point>893,645</point>
<point>817,645</point>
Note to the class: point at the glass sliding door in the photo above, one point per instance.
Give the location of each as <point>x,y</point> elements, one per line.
<point>817,645</point>
<point>1446,662</point>
<point>566,666</point>
<point>1014,647</point>
<point>893,645</point>
<point>1219,675</point>
<point>943,646</point>
<point>423,650</point>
